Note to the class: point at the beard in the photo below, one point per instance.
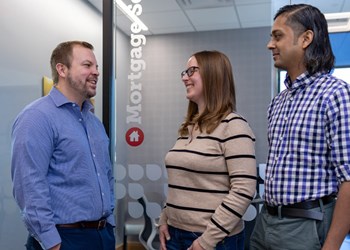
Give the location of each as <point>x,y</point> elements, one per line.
<point>80,87</point>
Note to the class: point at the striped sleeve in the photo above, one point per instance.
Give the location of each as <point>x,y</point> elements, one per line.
<point>239,152</point>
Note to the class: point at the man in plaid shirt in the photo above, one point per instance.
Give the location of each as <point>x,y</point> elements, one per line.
<point>307,182</point>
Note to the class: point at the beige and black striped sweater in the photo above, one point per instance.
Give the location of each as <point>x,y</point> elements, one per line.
<point>211,180</point>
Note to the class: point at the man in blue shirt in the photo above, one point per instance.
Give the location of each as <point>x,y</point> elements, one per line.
<point>61,167</point>
<point>309,141</point>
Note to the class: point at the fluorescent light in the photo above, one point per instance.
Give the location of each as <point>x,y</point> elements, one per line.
<point>338,22</point>
<point>133,18</point>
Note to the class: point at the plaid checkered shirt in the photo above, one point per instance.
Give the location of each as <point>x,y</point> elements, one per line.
<point>309,139</point>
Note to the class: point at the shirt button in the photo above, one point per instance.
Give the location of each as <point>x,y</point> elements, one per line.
<point>103,194</point>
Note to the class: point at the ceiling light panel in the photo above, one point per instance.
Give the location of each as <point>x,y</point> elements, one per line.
<point>213,17</point>
<point>204,4</point>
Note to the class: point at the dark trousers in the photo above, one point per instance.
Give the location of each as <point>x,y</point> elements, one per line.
<point>81,239</point>
<point>182,240</point>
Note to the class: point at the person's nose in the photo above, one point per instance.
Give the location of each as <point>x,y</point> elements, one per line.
<point>96,72</point>
<point>184,78</point>
<point>270,45</point>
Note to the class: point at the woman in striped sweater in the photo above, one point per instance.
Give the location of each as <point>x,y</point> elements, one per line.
<point>211,168</point>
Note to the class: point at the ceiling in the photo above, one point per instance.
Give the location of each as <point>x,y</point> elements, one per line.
<point>177,16</point>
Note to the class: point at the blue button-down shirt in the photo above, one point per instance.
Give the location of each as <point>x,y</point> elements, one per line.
<point>309,138</point>
<point>61,167</point>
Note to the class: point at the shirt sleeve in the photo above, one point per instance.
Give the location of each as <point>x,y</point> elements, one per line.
<point>163,218</point>
<point>32,147</point>
<point>239,152</point>
<point>338,132</point>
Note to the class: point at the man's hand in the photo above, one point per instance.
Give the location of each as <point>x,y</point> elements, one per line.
<point>340,225</point>
<point>57,247</point>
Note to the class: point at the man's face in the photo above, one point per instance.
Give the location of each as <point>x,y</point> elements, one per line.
<point>83,73</point>
<point>287,49</point>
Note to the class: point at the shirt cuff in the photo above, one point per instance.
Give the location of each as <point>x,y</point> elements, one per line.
<point>162,219</point>
<point>204,244</point>
<point>49,239</point>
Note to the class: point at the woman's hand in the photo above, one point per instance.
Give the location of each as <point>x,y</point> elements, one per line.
<point>195,246</point>
<point>163,236</point>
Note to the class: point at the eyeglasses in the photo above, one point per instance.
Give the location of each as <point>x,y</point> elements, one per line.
<point>190,71</point>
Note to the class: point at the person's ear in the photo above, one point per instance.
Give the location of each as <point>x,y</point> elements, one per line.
<point>307,38</point>
<point>61,69</point>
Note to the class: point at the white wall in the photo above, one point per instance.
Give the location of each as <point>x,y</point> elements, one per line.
<point>29,32</point>
<point>31,29</point>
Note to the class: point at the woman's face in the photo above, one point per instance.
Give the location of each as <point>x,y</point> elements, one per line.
<point>193,82</point>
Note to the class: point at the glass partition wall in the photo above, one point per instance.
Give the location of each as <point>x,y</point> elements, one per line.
<point>150,96</point>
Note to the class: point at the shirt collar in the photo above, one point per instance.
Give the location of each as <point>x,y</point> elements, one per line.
<point>59,99</point>
<point>301,81</point>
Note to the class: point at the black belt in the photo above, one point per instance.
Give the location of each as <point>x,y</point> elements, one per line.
<point>98,224</point>
<point>301,209</point>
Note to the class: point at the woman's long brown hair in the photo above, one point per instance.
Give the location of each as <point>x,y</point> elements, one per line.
<point>218,90</point>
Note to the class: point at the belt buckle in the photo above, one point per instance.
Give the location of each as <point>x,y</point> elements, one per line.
<point>101,224</point>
